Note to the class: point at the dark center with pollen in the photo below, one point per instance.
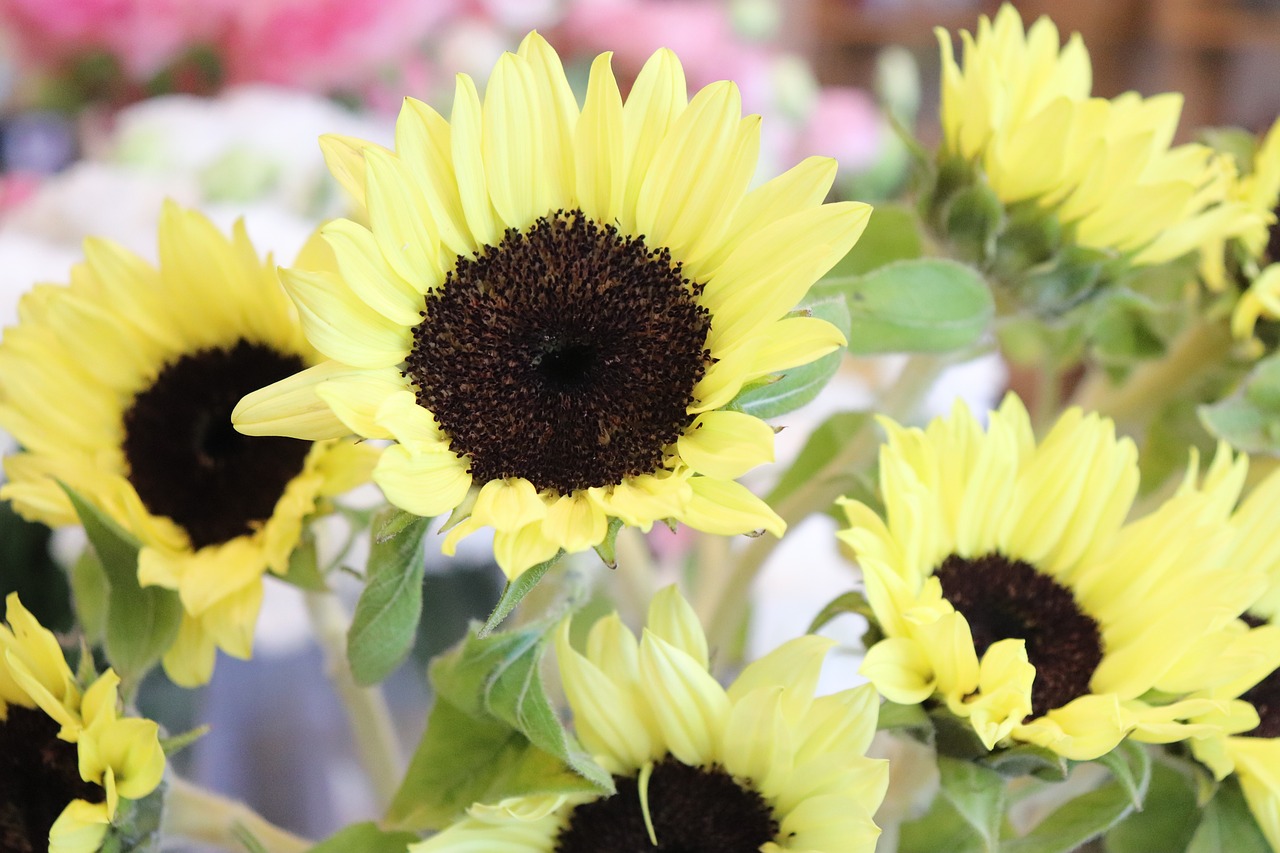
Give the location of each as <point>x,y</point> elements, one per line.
<point>39,776</point>
<point>566,355</point>
<point>185,459</point>
<point>693,810</point>
<point>1008,599</point>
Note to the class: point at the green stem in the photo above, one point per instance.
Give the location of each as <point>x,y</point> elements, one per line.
<point>196,814</point>
<point>367,712</point>
<point>1201,347</point>
<point>815,495</point>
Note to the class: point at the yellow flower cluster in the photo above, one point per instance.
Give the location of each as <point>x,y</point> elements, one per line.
<point>121,756</point>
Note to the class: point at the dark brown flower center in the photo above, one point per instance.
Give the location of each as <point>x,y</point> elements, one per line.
<point>1008,599</point>
<point>185,459</point>
<point>1265,695</point>
<point>39,776</point>
<point>566,355</point>
<point>693,809</point>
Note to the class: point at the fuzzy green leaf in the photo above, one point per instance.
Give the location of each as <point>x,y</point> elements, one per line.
<point>492,734</point>
<point>1250,419</point>
<point>1228,825</point>
<point>924,305</point>
<point>978,795</point>
<point>1167,820</point>
<point>142,622</point>
<point>514,593</point>
<point>940,828</point>
<point>365,838</point>
<point>386,618</point>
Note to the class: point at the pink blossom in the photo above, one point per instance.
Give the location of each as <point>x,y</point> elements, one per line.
<point>144,35</point>
<point>325,44</point>
<point>846,124</point>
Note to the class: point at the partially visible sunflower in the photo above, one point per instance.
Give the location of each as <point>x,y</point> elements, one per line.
<point>1020,109</point>
<point>1011,589</point>
<point>1241,734</point>
<point>67,758</point>
<point>552,306</point>
<point>762,766</point>
<point>121,386</point>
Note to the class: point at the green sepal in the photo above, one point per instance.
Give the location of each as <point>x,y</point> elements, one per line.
<point>608,547</point>
<point>911,720</point>
<point>514,592</point>
<point>90,594</point>
<point>176,743</point>
<point>136,827</point>
<point>923,305</point>
<point>492,734</point>
<point>304,566</point>
<point>1025,759</point>
<point>385,622</point>
<point>975,219</point>
<point>366,838</point>
<point>141,622</point>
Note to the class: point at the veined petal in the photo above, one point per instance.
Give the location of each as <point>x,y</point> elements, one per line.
<point>727,508</point>
<point>342,326</point>
<point>726,445</point>
<point>426,484</point>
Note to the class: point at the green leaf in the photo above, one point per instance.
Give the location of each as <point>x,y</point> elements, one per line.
<point>1026,759</point>
<point>854,601</point>
<point>978,795</point>
<point>136,827</point>
<point>892,234</point>
<point>912,720</point>
<point>1228,825</point>
<point>1076,821</point>
<point>1167,820</point>
<point>141,622</point>
<point>514,593</point>
<point>801,384</point>
<point>925,305</point>
<point>1130,765</point>
<point>366,838</point>
<point>89,594</point>
<point>386,618</point>
<point>823,444</point>
<point>941,828</point>
<point>492,733</point>
<point>1090,815</point>
<point>1250,419</point>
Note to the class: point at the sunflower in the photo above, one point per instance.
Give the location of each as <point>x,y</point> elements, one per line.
<point>1020,109</point>
<point>1241,734</point>
<point>761,766</point>
<point>553,306</point>
<point>1011,589</point>
<point>121,385</point>
<point>66,758</point>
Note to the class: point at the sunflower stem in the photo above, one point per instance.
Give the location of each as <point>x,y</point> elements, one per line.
<point>1200,348</point>
<point>196,814</point>
<point>724,627</point>
<point>367,712</point>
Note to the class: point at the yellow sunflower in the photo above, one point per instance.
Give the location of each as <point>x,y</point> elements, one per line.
<point>1241,734</point>
<point>1011,589</point>
<point>66,758</point>
<point>552,306</point>
<point>761,766</point>
<point>1020,109</point>
<point>121,385</point>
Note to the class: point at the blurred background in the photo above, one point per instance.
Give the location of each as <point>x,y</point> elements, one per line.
<point>107,107</point>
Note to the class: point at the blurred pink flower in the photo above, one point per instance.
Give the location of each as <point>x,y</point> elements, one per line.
<point>325,44</point>
<point>699,31</point>
<point>144,35</point>
<point>846,124</point>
